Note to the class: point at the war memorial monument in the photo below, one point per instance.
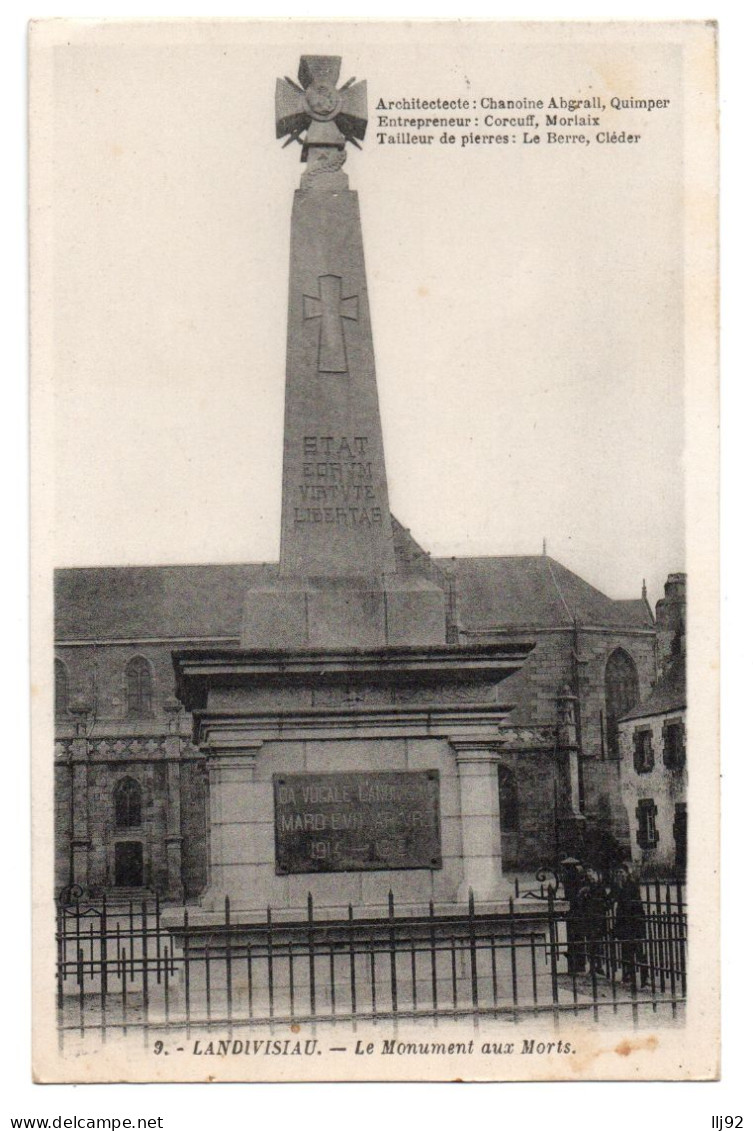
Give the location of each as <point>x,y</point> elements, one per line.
<point>362,784</point>
<point>352,747</point>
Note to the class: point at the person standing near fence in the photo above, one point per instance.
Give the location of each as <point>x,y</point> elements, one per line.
<point>630,925</point>
<point>594,899</point>
<point>573,885</point>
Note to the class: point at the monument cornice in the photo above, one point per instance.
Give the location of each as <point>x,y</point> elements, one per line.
<point>200,670</point>
<point>220,731</point>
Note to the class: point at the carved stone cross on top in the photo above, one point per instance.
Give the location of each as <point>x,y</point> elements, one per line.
<point>331,307</point>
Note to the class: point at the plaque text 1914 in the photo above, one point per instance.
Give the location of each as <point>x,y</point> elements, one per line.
<point>357,822</point>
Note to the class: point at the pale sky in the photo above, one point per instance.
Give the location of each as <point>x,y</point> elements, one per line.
<point>526,302</point>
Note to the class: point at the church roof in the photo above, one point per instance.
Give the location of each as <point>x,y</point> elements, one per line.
<point>206,601</point>
<point>536,592</point>
<point>150,602</point>
<point>639,609</point>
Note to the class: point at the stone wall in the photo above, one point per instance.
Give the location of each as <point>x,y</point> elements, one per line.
<point>97,674</point>
<point>563,659</point>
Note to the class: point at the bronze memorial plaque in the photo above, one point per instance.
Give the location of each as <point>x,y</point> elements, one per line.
<point>356,822</point>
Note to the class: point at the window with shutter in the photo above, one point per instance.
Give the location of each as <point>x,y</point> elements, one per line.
<point>673,734</point>
<point>648,834</point>
<point>643,751</point>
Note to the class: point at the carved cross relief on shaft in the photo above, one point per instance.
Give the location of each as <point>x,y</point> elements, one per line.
<point>331,308</point>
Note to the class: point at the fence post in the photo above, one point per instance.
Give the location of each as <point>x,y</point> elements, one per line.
<point>291,978</point>
<point>672,939</point>
<point>250,973</point>
<point>144,938</point>
<point>553,948</point>
<point>534,986</point>
<point>103,947</point>
<point>103,969</point>
<point>332,974</point>
<point>682,937</point>
<point>157,934</point>
<point>166,958</point>
<point>60,913</point>
<point>270,965</point>
<point>312,954</point>
<point>472,948</point>
<point>228,962</point>
<point>78,929</point>
<point>144,968</point>
<point>131,939</point>
<point>186,972</point>
<point>80,974</point>
<point>352,960</point>
<point>123,992</point>
<point>513,961</point>
<point>207,982</point>
<point>433,947</point>
<point>393,958</point>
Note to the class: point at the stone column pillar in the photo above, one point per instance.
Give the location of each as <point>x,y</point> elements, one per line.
<point>478,763</point>
<point>173,834</point>
<point>232,787</point>
<point>568,744</point>
<point>80,837</point>
<point>571,821</point>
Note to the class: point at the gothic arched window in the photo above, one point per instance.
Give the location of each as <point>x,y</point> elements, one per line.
<point>138,687</point>
<point>61,688</point>
<point>621,685</point>
<point>127,799</point>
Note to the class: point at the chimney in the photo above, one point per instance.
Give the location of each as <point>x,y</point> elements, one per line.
<point>670,620</point>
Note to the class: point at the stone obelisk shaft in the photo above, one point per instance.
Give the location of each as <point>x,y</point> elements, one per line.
<point>335,506</point>
<point>337,585</point>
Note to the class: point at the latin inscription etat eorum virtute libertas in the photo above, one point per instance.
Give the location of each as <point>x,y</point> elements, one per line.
<point>362,782</point>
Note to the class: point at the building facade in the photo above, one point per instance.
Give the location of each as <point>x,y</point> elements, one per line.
<point>653,749</point>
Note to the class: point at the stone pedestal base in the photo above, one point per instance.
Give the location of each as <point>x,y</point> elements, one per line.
<point>343,612</point>
<point>338,714</point>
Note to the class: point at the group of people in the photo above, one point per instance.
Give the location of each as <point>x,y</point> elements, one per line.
<point>603,915</point>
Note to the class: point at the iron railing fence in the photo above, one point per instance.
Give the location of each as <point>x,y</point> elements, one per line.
<point>658,896</point>
<point>119,968</point>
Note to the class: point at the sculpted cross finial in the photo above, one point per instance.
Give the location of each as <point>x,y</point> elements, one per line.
<point>331,308</point>
<point>316,113</point>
